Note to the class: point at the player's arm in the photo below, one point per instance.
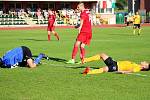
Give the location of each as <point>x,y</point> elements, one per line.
<point>124,72</point>
<point>81,24</point>
<point>82,18</point>
<point>135,69</point>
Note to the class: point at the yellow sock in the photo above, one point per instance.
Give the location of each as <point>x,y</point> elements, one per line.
<point>134,31</point>
<point>139,31</point>
<point>93,58</point>
<point>96,71</point>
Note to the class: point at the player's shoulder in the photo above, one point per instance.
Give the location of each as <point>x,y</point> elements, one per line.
<point>87,11</point>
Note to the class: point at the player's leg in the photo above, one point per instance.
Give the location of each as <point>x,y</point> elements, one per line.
<point>95,71</point>
<point>96,57</point>
<point>38,59</point>
<point>32,63</point>
<point>75,49</point>
<point>111,66</point>
<point>74,52</point>
<point>55,34</point>
<point>27,54</point>
<point>85,41</point>
<point>104,56</point>
<point>134,29</point>
<point>93,58</point>
<point>49,35</point>
<point>139,29</point>
<point>82,52</point>
<point>49,31</point>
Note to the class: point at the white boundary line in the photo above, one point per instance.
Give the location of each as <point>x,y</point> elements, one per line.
<point>67,66</point>
<point>137,74</point>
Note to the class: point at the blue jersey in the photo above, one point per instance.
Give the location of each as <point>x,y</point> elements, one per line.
<point>13,57</point>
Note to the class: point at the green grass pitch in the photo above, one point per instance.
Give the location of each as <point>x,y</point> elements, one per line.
<point>55,80</point>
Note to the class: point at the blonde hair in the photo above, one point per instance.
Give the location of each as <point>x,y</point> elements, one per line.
<point>81,4</point>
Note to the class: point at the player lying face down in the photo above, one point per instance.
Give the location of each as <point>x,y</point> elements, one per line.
<point>115,66</point>
<point>20,56</point>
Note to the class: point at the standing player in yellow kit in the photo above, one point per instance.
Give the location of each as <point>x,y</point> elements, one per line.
<point>117,66</point>
<point>137,22</point>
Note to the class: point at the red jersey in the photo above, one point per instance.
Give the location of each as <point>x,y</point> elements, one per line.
<point>51,18</point>
<point>86,27</point>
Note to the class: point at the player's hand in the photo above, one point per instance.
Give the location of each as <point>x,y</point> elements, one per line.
<point>79,29</point>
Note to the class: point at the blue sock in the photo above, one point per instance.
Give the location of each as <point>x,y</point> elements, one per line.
<point>38,59</point>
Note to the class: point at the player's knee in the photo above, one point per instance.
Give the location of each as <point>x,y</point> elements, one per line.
<point>103,55</point>
<point>82,45</point>
<point>105,69</point>
<point>48,32</point>
<point>54,32</point>
<point>77,43</point>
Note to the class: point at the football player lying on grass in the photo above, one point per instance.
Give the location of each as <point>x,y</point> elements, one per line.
<point>20,56</point>
<point>123,67</point>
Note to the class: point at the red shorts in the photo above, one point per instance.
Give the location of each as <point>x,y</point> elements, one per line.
<point>50,27</point>
<point>84,38</point>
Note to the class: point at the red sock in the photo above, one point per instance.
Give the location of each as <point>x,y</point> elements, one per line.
<point>49,37</point>
<point>57,36</point>
<point>74,52</point>
<point>82,53</point>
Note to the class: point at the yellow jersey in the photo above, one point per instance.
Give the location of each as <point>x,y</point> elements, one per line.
<point>128,66</point>
<point>137,19</point>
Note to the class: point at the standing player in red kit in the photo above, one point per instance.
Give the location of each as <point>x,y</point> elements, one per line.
<point>85,34</point>
<point>51,21</point>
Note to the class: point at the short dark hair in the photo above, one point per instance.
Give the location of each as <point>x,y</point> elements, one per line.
<point>81,3</point>
<point>146,69</point>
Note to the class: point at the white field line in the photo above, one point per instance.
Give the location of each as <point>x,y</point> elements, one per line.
<point>137,74</point>
<point>60,65</point>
